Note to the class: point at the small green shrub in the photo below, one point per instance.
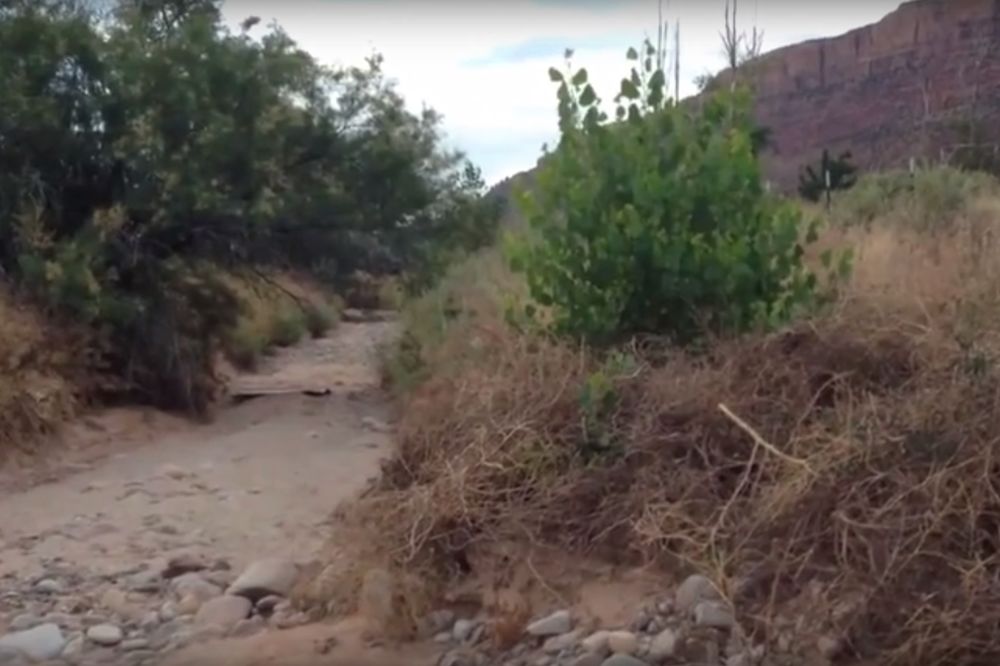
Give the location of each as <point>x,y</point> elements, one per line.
<point>320,318</point>
<point>288,327</point>
<point>841,173</point>
<point>245,345</point>
<point>658,223</point>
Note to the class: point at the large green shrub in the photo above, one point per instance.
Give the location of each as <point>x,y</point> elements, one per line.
<point>658,223</point>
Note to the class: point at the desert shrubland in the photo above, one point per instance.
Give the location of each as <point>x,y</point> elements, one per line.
<point>838,465</point>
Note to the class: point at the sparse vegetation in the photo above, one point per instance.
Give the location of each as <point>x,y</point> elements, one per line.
<point>836,469</point>
<point>927,199</point>
<point>276,310</point>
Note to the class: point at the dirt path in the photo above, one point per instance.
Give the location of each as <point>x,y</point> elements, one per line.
<point>134,489</point>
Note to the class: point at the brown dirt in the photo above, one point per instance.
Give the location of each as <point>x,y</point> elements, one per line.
<point>128,487</point>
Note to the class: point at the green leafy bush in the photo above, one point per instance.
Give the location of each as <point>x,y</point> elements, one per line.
<point>320,318</point>
<point>288,327</point>
<point>658,223</point>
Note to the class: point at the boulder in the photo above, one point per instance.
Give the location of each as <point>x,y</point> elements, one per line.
<point>41,643</point>
<point>105,634</point>
<point>224,612</point>
<point>559,622</point>
<point>264,578</point>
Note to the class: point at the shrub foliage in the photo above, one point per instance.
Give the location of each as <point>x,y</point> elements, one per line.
<point>657,223</point>
<point>143,148</point>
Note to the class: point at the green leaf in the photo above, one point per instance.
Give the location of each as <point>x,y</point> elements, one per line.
<point>555,75</point>
<point>580,77</point>
<point>629,90</point>
<point>632,54</point>
<point>588,96</point>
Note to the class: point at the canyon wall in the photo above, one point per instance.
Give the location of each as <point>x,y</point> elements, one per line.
<point>907,86</point>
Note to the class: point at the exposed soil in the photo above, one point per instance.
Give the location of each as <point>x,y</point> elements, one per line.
<point>128,488</point>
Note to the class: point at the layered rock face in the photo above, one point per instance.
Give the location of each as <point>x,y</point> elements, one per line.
<point>907,86</point>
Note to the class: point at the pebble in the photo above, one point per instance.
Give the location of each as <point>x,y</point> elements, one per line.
<point>375,425</point>
<point>191,584</point>
<point>288,620</point>
<point>182,564</point>
<point>220,578</point>
<point>188,605</point>
<point>168,611</point>
<point>133,644</point>
<point>105,634</point>
<point>49,586</point>
<point>140,658</point>
<point>463,629</point>
<point>623,642</point>
<point>224,612</point>
<point>693,590</point>
<point>150,621</point>
<point>24,622</point>
<point>247,627</point>
<point>664,645</point>
<point>562,642</point>
<point>114,600</point>
<point>74,646</point>
<point>597,642</point>
<point>64,620</point>
<point>458,658</point>
<point>557,623</point>
<point>623,660</point>
<point>588,660</point>
<point>267,605</point>
<point>641,621</point>
<point>39,643</point>
<point>714,614</point>
<point>91,619</point>
<point>264,578</point>
<point>147,582</point>
<point>172,472</point>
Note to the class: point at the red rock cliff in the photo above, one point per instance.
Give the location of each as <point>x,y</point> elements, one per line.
<point>887,91</point>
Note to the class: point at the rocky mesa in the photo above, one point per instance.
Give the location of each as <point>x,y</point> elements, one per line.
<point>910,85</point>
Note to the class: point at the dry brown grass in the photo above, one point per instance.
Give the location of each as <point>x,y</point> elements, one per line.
<point>849,464</point>
<point>45,374</point>
<point>278,310</point>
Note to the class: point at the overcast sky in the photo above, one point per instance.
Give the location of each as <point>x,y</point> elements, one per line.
<point>483,63</point>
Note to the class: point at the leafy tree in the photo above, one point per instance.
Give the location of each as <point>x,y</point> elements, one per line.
<point>143,149</point>
<point>842,175</point>
<point>658,223</point>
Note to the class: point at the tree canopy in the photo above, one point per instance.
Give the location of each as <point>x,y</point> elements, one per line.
<point>144,148</point>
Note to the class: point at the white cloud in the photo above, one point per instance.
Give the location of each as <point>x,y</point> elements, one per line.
<point>500,111</point>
